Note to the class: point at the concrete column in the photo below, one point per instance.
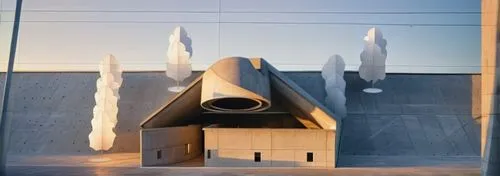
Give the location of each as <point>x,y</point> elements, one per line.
<point>490,127</point>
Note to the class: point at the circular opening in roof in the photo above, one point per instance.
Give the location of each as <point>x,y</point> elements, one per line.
<point>235,104</point>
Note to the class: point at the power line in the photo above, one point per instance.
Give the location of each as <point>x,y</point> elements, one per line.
<point>362,12</point>
<point>257,12</point>
<point>276,63</point>
<point>256,22</point>
<point>354,23</point>
<point>111,11</point>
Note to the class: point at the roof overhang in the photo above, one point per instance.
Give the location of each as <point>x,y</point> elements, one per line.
<point>303,106</point>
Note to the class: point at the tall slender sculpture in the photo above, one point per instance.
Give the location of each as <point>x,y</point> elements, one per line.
<point>101,137</point>
<point>373,59</point>
<point>179,54</point>
<point>333,74</point>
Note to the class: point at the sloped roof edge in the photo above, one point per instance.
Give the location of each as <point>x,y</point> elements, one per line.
<point>319,106</point>
<point>190,86</point>
<point>317,111</point>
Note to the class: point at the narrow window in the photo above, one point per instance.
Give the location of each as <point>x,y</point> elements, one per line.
<point>158,154</point>
<point>208,154</point>
<point>256,157</point>
<point>187,149</point>
<point>310,157</point>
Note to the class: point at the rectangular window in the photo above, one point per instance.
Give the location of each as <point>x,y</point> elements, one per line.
<point>256,157</point>
<point>158,154</point>
<point>187,149</point>
<point>208,154</point>
<point>310,157</point>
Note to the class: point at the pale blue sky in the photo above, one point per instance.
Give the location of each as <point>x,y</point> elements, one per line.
<point>142,46</point>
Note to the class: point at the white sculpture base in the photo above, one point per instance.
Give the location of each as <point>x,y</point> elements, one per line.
<point>99,160</point>
<point>372,90</point>
<point>176,88</point>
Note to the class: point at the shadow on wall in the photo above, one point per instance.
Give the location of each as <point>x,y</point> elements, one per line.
<point>415,115</point>
<point>476,97</point>
<point>411,94</point>
<point>264,161</point>
<point>141,95</point>
<point>134,101</point>
<point>52,111</point>
<point>236,162</point>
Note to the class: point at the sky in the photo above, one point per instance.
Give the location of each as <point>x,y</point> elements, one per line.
<point>50,41</point>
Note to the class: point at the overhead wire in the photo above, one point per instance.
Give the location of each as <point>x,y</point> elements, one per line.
<point>256,12</point>
<point>256,22</point>
<point>277,63</point>
<point>219,12</point>
<point>219,22</point>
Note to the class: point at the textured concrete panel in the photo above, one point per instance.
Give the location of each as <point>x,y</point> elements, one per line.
<point>415,116</point>
<point>180,144</point>
<point>283,139</point>
<point>454,135</point>
<point>330,156</point>
<point>294,154</point>
<point>315,139</point>
<point>330,140</point>
<point>211,139</point>
<point>382,136</point>
<point>283,155</point>
<point>409,135</point>
<point>261,139</point>
<point>319,158</point>
<point>234,139</point>
<point>355,130</point>
<point>52,111</point>
<point>435,136</point>
<point>416,135</point>
<point>240,158</point>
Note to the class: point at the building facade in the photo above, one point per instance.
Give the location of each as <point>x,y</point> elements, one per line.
<point>241,113</point>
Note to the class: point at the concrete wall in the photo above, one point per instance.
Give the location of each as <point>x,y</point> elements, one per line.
<point>415,116</point>
<point>403,93</point>
<point>490,121</point>
<point>51,112</point>
<point>171,143</point>
<point>235,147</point>
<point>428,115</point>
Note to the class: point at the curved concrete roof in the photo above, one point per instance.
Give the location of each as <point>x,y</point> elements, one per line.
<point>186,104</point>
<point>234,85</point>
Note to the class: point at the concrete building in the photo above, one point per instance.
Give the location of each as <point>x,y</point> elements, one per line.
<point>418,120</point>
<point>250,114</point>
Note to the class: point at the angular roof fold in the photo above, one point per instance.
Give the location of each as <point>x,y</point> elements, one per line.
<point>303,106</point>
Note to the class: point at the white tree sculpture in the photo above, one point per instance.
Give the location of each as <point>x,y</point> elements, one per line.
<point>373,59</point>
<point>101,137</point>
<point>179,54</point>
<point>333,74</point>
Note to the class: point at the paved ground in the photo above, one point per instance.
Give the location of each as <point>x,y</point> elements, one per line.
<point>409,161</point>
<point>114,160</point>
<point>111,171</point>
<point>128,164</point>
